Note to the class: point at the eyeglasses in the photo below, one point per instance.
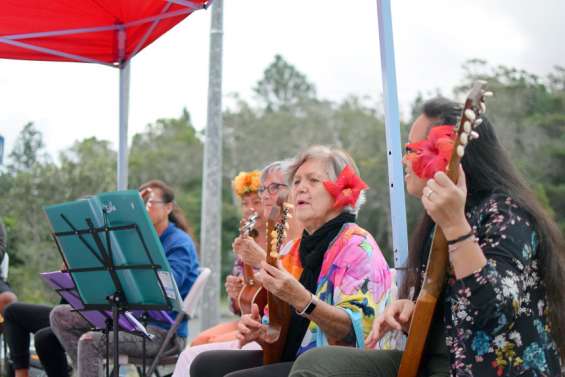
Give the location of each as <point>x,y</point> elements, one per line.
<point>272,189</point>
<point>153,201</point>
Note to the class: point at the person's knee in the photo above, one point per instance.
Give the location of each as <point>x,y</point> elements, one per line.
<point>91,343</point>
<point>10,312</point>
<point>59,315</point>
<point>201,364</point>
<point>310,363</point>
<point>7,298</point>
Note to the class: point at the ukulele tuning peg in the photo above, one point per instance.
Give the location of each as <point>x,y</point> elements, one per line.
<point>460,151</point>
<point>488,93</point>
<point>470,114</point>
<point>464,138</point>
<point>477,122</point>
<point>483,107</point>
<point>474,135</point>
<point>467,126</point>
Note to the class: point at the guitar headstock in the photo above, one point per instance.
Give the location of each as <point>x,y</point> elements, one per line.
<point>466,128</point>
<point>248,225</point>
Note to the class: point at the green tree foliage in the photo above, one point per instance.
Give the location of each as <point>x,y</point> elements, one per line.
<point>283,86</point>
<point>528,112</point>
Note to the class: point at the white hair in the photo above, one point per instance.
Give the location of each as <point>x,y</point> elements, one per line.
<point>335,160</point>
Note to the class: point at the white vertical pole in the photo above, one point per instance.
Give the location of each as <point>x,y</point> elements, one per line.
<point>124,113</point>
<point>211,223</point>
<point>392,125</point>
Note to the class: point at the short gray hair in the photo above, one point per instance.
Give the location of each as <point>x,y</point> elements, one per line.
<point>335,160</point>
<point>281,165</point>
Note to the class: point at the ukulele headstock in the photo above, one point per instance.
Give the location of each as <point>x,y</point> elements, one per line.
<point>248,225</point>
<point>470,119</point>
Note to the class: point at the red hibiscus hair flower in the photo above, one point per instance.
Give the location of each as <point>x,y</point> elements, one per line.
<point>432,155</point>
<point>346,189</point>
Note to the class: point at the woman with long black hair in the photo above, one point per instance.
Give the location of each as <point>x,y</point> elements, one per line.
<point>502,311</point>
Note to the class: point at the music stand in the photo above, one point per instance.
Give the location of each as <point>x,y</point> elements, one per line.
<point>114,256</point>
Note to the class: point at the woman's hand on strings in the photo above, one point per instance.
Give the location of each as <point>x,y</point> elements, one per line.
<point>283,285</point>
<point>249,251</point>
<point>396,316</point>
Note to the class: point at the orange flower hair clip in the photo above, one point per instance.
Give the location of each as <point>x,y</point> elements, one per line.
<point>246,182</point>
<point>346,189</point>
<point>432,155</point>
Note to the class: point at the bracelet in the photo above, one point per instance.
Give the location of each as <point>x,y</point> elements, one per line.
<point>309,308</point>
<point>462,238</point>
<point>451,248</point>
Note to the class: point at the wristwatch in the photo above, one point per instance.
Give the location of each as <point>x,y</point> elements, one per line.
<point>308,308</point>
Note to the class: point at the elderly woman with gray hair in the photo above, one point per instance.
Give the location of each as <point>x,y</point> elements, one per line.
<point>334,276</point>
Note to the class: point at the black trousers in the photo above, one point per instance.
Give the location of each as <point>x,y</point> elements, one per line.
<point>21,320</point>
<point>232,363</point>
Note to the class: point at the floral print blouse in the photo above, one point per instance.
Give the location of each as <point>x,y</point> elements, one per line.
<point>497,318</point>
<point>354,277</point>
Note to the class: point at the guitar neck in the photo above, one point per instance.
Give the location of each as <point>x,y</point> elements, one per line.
<point>436,268</point>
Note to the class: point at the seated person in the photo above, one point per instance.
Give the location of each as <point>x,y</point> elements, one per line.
<point>6,295</point>
<point>501,309</point>
<point>335,277</point>
<point>85,348</point>
<point>23,319</point>
<point>223,336</point>
<point>246,186</point>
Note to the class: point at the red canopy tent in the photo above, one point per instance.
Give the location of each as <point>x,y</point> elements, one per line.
<point>109,32</point>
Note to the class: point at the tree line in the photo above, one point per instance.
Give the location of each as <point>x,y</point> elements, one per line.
<point>285,116</point>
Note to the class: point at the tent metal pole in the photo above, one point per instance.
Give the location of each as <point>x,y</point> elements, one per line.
<point>123,141</point>
<point>392,125</point>
<point>211,221</point>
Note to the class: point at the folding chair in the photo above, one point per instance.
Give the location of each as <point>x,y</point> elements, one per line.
<point>190,304</point>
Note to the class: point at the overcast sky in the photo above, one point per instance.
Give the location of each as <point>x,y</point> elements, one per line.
<point>335,43</point>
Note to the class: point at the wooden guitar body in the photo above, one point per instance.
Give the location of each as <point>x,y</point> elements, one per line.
<point>252,294</point>
<point>279,321</point>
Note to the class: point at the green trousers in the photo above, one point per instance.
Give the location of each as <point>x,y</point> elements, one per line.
<point>352,362</point>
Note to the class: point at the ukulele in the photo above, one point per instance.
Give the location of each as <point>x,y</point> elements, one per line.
<point>279,311</point>
<point>252,292</point>
<point>434,277</point>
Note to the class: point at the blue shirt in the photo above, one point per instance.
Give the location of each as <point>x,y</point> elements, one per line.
<point>181,254</point>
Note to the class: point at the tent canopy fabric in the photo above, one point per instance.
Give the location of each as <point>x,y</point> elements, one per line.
<point>96,31</point>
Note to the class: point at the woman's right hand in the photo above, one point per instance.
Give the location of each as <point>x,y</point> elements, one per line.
<point>250,327</point>
<point>396,316</point>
